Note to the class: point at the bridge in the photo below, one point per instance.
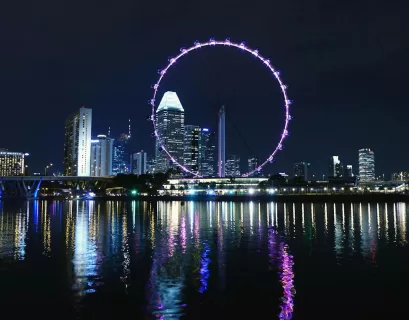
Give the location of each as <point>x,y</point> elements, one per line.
<point>29,186</point>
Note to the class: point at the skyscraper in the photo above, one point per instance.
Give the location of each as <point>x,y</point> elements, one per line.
<point>191,147</point>
<point>252,164</point>
<point>120,162</point>
<point>170,121</point>
<point>233,166</point>
<point>139,163</point>
<point>207,150</point>
<point>11,163</point>
<point>101,156</point>
<point>77,146</point>
<point>335,168</point>
<point>366,159</point>
<point>348,171</point>
<point>301,170</point>
<point>221,158</point>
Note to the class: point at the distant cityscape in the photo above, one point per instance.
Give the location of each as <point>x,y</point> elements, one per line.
<point>198,149</point>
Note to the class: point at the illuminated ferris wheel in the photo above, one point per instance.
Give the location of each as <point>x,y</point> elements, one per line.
<point>241,46</point>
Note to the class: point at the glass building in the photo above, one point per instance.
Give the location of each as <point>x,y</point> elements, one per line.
<point>77,146</point>
<point>120,161</point>
<point>207,153</point>
<point>11,163</point>
<point>101,156</point>
<point>139,163</point>
<point>335,167</point>
<point>170,126</point>
<point>191,147</point>
<point>366,160</point>
<point>301,170</point>
<point>233,166</point>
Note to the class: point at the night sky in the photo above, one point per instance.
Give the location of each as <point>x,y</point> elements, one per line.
<point>346,64</point>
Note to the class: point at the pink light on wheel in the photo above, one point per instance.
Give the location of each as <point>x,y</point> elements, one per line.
<point>241,46</point>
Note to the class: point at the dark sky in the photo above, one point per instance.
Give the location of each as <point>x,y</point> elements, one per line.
<point>346,64</point>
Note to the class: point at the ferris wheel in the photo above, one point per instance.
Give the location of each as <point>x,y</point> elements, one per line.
<point>243,47</point>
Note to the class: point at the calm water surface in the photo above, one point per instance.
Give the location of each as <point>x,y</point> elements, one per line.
<point>201,260</point>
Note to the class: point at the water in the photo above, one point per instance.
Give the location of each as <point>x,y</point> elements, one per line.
<point>201,260</point>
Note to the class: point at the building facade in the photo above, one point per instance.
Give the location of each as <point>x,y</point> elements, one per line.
<point>139,163</point>
<point>348,171</point>
<point>101,156</point>
<point>335,167</point>
<point>77,146</point>
<point>301,170</point>
<point>11,163</point>
<point>191,147</point>
<point>120,160</point>
<point>366,161</point>
<point>207,153</point>
<point>233,166</point>
<point>221,144</point>
<point>170,126</point>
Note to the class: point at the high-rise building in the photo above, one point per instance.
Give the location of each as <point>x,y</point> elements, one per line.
<point>207,150</point>
<point>191,148</point>
<point>151,164</point>
<point>120,161</point>
<point>348,171</point>
<point>139,163</point>
<point>221,157</point>
<point>400,176</point>
<point>301,170</point>
<point>11,163</point>
<point>170,125</point>
<point>252,164</point>
<point>335,168</point>
<point>101,156</point>
<point>77,146</point>
<point>233,166</point>
<point>366,159</point>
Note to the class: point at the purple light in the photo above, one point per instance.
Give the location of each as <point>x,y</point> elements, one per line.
<point>241,46</point>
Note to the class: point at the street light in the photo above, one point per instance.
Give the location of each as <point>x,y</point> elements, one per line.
<point>45,169</point>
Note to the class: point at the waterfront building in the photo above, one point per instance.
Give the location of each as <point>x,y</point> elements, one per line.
<point>101,156</point>
<point>191,147</point>
<point>301,170</point>
<point>366,159</point>
<point>120,160</point>
<point>12,163</point>
<point>221,157</point>
<point>77,146</point>
<point>335,168</point>
<point>151,164</point>
<point>348,173</point>
<point>207,151</point>
<point>139,163</point>
<point>400,176</point>
<point>170,125</point>
<point>233,166</point>
<point>252,164</point>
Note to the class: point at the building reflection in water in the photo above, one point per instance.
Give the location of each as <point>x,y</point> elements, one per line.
<point>188,251</point>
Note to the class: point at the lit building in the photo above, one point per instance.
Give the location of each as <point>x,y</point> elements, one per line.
<point>170,125</point>
<point>101,156</point>
<point>400,176</point>
<point>207,151</point>
<point>233,166</point>
<point>120,161</point>
<point>77,147</point>
<point>221,144</point>
<point>366,160</point>
<point>139,163</point>
<point>335,168</point>
<point>191,148</point>
<point>301,170</point>
<point>348,171</point>
<point>252,164</point>
<point>151,165</point>
<point>11,163</point>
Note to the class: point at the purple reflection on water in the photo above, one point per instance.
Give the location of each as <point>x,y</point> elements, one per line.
<point>204,268</point>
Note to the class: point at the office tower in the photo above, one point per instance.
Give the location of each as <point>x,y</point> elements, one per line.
<point>252,164</point>
<point>139,163</point>
<point>301,170</point>
<point>170,125</point>
<point>77,146</point>
<point>366,159</point>
<point>191,148</point>
<point>400,176</point>
<point>11,163</point>
<point>232,166</point>
<point>120,161</point>
<point>335,167</point>
<point>221,157</point>
<point>348,171</point>
<point>101,156</point>
<point>207,150</point>
<point>151,164</point>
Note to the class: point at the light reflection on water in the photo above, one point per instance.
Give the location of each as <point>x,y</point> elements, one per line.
<point>182,255</point>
